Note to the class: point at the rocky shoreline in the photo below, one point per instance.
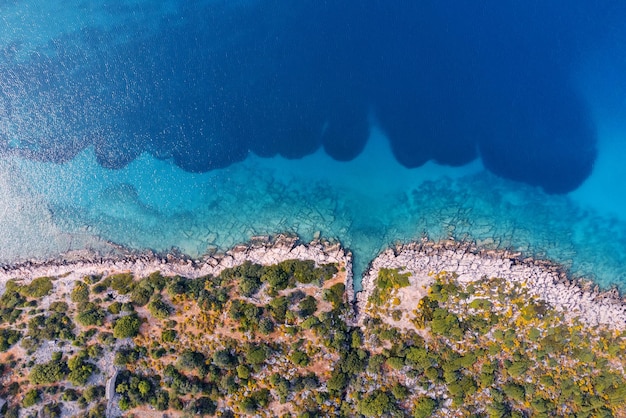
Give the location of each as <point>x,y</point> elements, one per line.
<point>548,281</point>
<point>264,250</point>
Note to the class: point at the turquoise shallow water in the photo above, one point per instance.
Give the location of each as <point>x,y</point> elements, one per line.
<point>367,203</point>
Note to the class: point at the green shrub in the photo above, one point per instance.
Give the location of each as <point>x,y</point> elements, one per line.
<point>387,280</point>
<point>159,309</point>
<point>189,360</point>
<point>38,288</point>
<point>92,279</point>
<point>70,395</point>
<point>90,314</point>
<point>307,307</point>
<point>424,407</point>
<point>59,307</point>
<point>481,304</point>
<point>8,337</point>
<point>51,327</point>
<point>141,293</point>
<point>30,398</point>
<point>46,373</point>
<point>127,326</point>
<point>168,335</point>
<point>80,369</point>
<point>375,404</point>
<point>115,308</point>
<point>98,411</point>
<point>122,282</point>
<point>100,287</point>
<point>80,293</point>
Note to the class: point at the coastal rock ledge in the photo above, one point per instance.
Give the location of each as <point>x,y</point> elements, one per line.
<point>264,250</point>
<point>577,300</point>
<point>544,279</point>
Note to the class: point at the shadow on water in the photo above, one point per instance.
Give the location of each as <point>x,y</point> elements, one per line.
<point>446,82</point>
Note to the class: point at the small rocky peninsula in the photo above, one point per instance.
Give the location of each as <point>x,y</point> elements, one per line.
<point>543,279</point>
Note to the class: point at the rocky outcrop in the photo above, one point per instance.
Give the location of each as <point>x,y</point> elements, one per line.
<point>546,280</point>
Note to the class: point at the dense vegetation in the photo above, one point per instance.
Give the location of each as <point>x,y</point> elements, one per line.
<point>280,341</point>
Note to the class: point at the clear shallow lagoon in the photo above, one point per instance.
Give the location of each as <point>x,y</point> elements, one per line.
<point>368,202</point>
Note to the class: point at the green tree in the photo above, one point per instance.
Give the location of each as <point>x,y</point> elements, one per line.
<point>80,369</point>
<point>8,337</point>
<point>80,292</point>
<point>337,382</point>
<point>446,323</point>
<point>203,406</point>
<point>256,354</point>
<point>189,360</point>
<point>90,314</point>
<point>249,285</point>
<point>39,287</point>
<point>266,326</point>
<point>375,404</point>
<point>141,293</point>
<point>307,307</point>
<point>50,372</point>
<point>514,391</point>
<point>278,308</point>
<point>127,326</point>
<point>424,407</point>
<point>223,358</point>
<point>158,308</point>
<point>168,335</point>
<point>30,398</point>
<point>275,277</point>
<point>243,372</point>
<point>122,282</point>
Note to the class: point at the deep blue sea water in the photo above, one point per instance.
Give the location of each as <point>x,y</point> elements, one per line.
<point>197,124</point>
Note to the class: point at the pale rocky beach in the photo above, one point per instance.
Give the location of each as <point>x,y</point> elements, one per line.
<point>547,281</point>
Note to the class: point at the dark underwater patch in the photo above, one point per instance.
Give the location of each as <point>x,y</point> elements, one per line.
<point>446,82</point>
